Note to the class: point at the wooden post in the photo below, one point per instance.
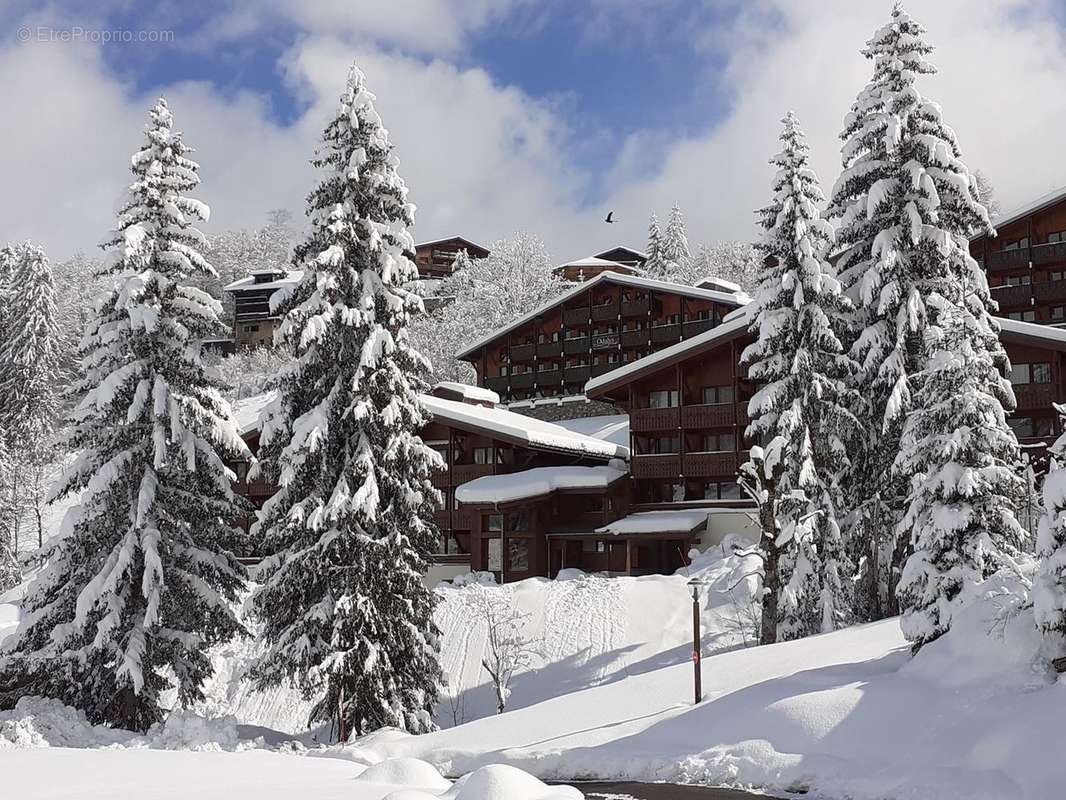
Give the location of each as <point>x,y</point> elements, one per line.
<point>629,556</point>
<point>696,656</point>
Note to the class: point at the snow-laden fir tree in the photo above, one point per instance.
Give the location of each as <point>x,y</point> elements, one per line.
<point>136,588</point>
<point>654,266</point>
<point>1049,585</point>
<point>906,205</point>
<point>346,615</point>
<point>800,362</point>
<point>674,255</point>
<point>30,355</point>
<point>963,459</point>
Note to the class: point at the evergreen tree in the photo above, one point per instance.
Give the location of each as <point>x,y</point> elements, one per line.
<point>654,266</point>
<point>800,362</point>
<point>1049,586</point>
<point>135,589</point>
<point>963,460</point>
<point>674,255</point>
<point>30,355</point>
<point>906,204</point>
<point>345,612</point>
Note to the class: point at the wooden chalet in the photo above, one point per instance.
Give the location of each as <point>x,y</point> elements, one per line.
<point>435,259</point>
<point>623,260</point>
<point>592,329</point>
<point>1026,261</point>
<point>253,321</point>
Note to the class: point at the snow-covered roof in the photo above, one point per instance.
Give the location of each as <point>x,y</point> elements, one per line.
<point>450,239</point>
<point>633,281</point>
<point>1032,330</point>
<point>638,253</point>
<point>658,522</point>
<point>521,430</point>
<point>593,261</point>
<point>477,394</point>
<point>536,482</point>
<point>722,332</point>
<point>242,284</point>
<point>247,410</point>
<point>1040,203</point>
<point>611,428</point>
<point>721,284</point>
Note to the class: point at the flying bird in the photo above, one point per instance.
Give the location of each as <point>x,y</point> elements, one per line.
<point>609,215</point>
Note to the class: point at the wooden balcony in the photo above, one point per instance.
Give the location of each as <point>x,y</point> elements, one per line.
<point>654,419</point>
<point>634,338</point>
<point>549,349</point>
<point>440,478</point>
<point>522,352</point>
<point>603,369</point>
<point>260,487</point>
<point>695,326</point>
<point>1012,296</point>
<point>605,313</point>
<point>1049,291</point>
<point>1054,253</point>
<point>441,519</point>
<point>464,518</point>
<point>549,377</point>
<point>575,316</point>
<point>579,345</point>
<point>661,334</point>
<point>635,308</point>
<point>1034,395</point>
<point>605,341</point>
<point>1008,259</point>
<point>577,374</point>
<point>742,415</point>
<point>498,384</point>
<point>715,415</point>
<point>523,381</point>
<point>656,466</point>
<point>710,465</point>
<point>464,473</point>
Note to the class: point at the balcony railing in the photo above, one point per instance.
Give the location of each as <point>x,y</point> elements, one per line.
<point>549,377</point>
<point>605,313</point>
<point>692,327</point>
<point>1011,296</point>
<point>666,333</point>
<point>604,341</point>
<point>549,349</point>
<point>705,465</point>
<point>1034,395</point>
<point>498,384</point>
<point>579,345</point>
<point>576,374</point>
<point>522,352</point>
<point>635,308</point>
<point>1051,253</point>
<point>464,473</point>
<point>522,381</point>
<point>654,419</point>
<point>634,338</point>
<point>656,466</point>
<point>439,478</point>
<point>1008,259</point>
<point>1049,291</point>
<point>575,316</point>
<point>707,416</point>
<point>603,369</point>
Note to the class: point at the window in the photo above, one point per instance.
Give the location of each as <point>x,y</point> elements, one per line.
<point>545,366</point>
<point>518,522</point>
<point>492,523</point>
<point>484,455</point>
<point>719,443</point>
<point>1058,312</point>
<point>669,319</point>
<point>588,546</point>
<point>518,555</point>
<point>663,398</point>
<point>659,445</point>
<point>1030,427</point>
<point>1017,244</point>
<point>712,395</point>
<point>251,329</point>
<point>592,503</point>
<point>721,490</point>
<point>1030,373</point>
<point>612,358</point>
<point>493,555</point>
<point>1022,316</point>
<point>503,371</point>
<point>1055,275</point>
<point>1019,280</point>
<point>1057,236</point>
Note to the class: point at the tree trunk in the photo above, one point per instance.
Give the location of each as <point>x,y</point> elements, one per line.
<point>771,582</point>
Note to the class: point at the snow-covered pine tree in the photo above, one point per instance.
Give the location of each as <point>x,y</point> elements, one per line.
<point>963,461</point>
<point>136,589</point>
<point>30,354</point>
<point>654,266</point>
<point>799,360</point>
<point>674,253</point>
<point>1049,586</point>
<point>906,204</point>
<point>345,613</point>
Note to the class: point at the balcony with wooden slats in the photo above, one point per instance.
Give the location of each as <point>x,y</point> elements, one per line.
<point>576,374</point>
<point>605,313</point>
<point>697,326</point>
<point>575,346</point>
<point>666,333</point>
<point>1049,291</point>
<point>1008,259</point>
<point>1012,296</point>
<point>522,381</point>
<point>522,352</point>
<point>710,465</point>
<point>1051,253</point>
<point>715,415</point>
<point>654,419</point>
<point>463,473</point>
<point>656,466</point>
<point>1034,395</point>
<point>549,349</point>
<point>634,338</point>
<point>575,316</point>
<point>635,308</point>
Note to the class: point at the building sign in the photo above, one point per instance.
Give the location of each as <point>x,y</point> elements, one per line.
<point>602,341</point>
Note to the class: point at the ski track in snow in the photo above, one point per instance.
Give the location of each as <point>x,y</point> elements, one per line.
<point>584,616</point>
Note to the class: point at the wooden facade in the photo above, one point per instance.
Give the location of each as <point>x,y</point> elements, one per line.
<point>591,330</point>
<point>253,322</point>
<point>435,259</point>
<point>1026,262</point>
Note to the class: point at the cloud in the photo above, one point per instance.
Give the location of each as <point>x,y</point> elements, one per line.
<point>484,159</point>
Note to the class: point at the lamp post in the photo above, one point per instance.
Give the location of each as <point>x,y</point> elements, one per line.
<point>697,685</point>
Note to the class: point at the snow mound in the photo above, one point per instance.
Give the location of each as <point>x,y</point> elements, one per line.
<point>503,782</point>
<point>184,730</point>
<point>44,722</point>
<point>406,771</point>
<point>474,578</point>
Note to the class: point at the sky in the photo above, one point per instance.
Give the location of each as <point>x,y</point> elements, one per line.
<point>506,115</point>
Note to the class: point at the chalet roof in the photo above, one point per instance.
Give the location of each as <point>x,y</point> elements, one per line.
<point>639,254</point>
<point>633,281</point>
<point>1013,330</point>
<point>520,430</point>
<point>594,261</point>
<point>466,392</point>
<point>610,428</point>
<point>1039,204</point>
<point>681,521</point>
<point>248,283</point>
<point>720,284</point>
<point>733,326</point>
<point>462,239</point>
<point>536,482</point>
